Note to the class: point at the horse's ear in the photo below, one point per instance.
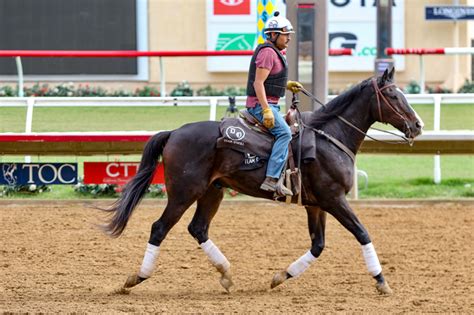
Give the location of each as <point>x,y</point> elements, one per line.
<point>384,76</point>
<point>391,74</point>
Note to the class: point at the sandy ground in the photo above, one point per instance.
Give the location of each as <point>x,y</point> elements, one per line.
<point>53,259</point>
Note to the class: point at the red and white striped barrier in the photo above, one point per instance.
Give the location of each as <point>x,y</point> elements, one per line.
<point>430,51</point>
<point>136,53</point>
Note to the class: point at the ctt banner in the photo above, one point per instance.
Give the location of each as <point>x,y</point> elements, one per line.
<point>116,173</point>
<point>38,173</point>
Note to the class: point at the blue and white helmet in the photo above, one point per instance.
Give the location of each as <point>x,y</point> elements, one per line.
<point>278,24</point>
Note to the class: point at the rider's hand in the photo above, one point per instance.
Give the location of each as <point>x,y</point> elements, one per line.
<point>268,118</point>
<point>294,86</point>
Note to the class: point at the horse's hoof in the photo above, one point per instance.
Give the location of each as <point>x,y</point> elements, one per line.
<point>279,278</point>
<point>226,281</point>
<point>132,281</point>
<point>383,288</point>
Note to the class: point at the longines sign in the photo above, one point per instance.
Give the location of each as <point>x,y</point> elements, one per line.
<point>38,173</point>
<point>450,13</point>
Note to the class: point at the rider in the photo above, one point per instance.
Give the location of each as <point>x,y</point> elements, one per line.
<point>268,77</point>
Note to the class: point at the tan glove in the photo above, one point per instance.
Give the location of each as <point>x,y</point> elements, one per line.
<point>268,118</point>
<point>294,86</point>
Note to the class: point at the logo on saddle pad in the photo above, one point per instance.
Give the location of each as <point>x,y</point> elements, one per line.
<point>235,134</point>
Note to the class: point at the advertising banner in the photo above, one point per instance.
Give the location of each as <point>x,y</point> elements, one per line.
<point>351,24</point>
<point>449,13</point>
<point>231,7</point>
<point>236,30</point>
<point>38,173</point>
<point>116,173</point>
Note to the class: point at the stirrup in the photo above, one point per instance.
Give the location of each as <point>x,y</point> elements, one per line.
<point>281,189</point>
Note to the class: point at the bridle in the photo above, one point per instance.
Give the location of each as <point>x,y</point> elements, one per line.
<point>380,96</point>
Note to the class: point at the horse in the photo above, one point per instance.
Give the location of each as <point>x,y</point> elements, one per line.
<point>196,171</point>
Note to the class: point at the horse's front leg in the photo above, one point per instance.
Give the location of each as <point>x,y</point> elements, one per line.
<point>341,210</point>
<point>316,225</point>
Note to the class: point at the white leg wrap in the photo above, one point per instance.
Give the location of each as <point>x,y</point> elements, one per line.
<point>149,260</point>
<point>215,255</point>
<point>371,259</point>
<point>301,264</point>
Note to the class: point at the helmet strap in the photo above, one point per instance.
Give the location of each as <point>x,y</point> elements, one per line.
<point>275,40</point>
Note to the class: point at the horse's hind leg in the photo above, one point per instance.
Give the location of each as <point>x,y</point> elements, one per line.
<point>160,228</point>
<point>317,227</point>
<point>207,207</point>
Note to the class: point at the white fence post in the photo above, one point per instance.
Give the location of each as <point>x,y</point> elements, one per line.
<point>436,127</point>
<point>30,101</point>
<point>213,109</point>
<point>422,76</point>
<point>162,78</point>
<point>19,69</point>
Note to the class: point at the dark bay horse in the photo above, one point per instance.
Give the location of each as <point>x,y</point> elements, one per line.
<point>195,170</point>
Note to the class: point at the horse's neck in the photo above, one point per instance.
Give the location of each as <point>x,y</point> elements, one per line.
<point>357,114</point>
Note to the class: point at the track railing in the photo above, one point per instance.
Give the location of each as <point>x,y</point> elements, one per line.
<point>428,51</point>
<point>17,54</point>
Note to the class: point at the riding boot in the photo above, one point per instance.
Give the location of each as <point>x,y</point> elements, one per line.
<point>273,185</point>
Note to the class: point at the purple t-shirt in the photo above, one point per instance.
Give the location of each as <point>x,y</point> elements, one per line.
<point>267,58</point>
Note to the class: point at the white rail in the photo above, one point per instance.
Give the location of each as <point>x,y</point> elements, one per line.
<point>212,102</point>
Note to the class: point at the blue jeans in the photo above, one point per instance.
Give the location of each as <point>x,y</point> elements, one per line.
<point>282,134</point>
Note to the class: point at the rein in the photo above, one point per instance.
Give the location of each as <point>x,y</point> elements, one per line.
<point>379,95</point>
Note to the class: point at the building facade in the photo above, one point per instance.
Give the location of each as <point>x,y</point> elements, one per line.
<point>184,25</point>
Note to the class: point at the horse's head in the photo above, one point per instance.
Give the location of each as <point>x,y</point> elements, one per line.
<point>391,106</point>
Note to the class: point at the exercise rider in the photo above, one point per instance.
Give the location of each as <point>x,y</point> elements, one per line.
<point>267,80</point>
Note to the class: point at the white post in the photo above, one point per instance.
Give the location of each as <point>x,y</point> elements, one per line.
<point>422,76</point>
<point>436,127</point>
<point>19,69</point>
<point>213,109</point>
<point>162,78</point>
<point>30,101</point>
<point>456,56</point>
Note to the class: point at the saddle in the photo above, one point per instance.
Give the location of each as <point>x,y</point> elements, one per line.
<point>247,135</point>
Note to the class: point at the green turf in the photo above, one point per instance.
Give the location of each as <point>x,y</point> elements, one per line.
<point>62,119</point>
<point>411,176</point>
<point>453,117</point>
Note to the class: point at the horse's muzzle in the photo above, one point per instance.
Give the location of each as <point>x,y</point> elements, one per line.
<point>413,130</point>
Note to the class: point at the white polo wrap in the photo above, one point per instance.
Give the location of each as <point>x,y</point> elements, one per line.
<point>149,261</point>
<point>371,259</point>
<point>301,264</point>
<point>215,255</point>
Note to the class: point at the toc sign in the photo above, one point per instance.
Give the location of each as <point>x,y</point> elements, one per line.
<point>38,173</point>
<point>449,13</point>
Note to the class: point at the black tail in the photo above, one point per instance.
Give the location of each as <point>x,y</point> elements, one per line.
<point>134,191</point>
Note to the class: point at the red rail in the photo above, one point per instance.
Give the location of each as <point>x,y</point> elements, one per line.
<point>414,51</point>
<point>430,51</point>
<point>135,53</point>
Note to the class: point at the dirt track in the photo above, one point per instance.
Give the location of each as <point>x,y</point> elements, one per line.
<point>52,259</point>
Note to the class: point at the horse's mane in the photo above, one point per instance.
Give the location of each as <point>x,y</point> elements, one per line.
<point>336,106</point>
